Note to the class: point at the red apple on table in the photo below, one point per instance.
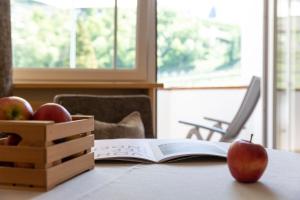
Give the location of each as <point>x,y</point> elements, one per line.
<point>247,161</point>
<point>15,108</point>
<point>52,112</point>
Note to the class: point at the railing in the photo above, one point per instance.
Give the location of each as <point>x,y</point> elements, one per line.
<point>206,88</point>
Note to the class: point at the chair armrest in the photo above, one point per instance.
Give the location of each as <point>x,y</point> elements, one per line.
<point>214,129</point>
<point>217,120</point>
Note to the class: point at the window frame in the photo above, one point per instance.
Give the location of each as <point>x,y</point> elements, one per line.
<point>139,73</point>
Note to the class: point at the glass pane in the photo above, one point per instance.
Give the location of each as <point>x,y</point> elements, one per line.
<point>199,42</point>
<point>212,43</point>
<point>282,65</point>
<point>73,34</point>
<point>95,37</point>
<point>40,35</point>
<point>126,39</point>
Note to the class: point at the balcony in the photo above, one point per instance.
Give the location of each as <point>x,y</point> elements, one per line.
<point>194,103</point>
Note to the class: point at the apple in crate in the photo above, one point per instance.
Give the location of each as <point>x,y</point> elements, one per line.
<point>52,112</point>
<point>247,161</point>
<point>48,112</point>
<point>15,108</point>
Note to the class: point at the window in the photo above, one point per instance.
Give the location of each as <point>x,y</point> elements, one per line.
<point>79,40</point>
<point>208,43</point>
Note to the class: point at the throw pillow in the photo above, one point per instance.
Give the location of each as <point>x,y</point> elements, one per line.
<point>130,126</point>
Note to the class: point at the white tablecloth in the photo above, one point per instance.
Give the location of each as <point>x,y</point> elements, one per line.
<point>206,179</point>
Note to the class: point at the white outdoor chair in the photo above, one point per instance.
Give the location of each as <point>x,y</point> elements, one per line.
<point>236,125</point>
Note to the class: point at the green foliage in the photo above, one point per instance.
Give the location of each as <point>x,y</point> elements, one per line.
<point>99,28</point>
<point>186,43</point>
<point>85,53</point>
<point>126,39</point>
<point>41,38</point>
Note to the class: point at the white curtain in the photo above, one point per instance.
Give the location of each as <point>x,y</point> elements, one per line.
<point>287,75</point>
<point>5,49</point>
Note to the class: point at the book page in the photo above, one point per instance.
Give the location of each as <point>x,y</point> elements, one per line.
<point>123,149</point>
<point>168,150</point>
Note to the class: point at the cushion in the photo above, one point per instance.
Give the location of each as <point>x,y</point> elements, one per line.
<point>130,126</point>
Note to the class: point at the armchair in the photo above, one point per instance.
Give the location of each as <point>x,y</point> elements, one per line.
<point>109,108</point>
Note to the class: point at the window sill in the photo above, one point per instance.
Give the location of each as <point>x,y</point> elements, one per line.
<point>85,85</point>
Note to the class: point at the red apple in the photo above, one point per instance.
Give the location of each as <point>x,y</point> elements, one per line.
<point>247,161</point>
<point>13,139</point>
<point>10,139</point>
<point>15,108</point>
<point>52,112</point>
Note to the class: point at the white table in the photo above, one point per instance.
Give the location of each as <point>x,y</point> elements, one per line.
<point>201,179</point>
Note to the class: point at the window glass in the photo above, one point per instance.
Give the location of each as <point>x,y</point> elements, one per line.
<point>74,34</point>
<point>126,38</point>
<point>198,42</point>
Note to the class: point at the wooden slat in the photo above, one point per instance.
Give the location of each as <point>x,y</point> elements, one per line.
<point>23,187</point>
<point>62,130</point>
<point>24,123</point>
<point>33,135</point>
<point>69,148</point>
<point>79,117</point>
<point>22,154</point>
<point>238,87</point>
<point>34,177</point>
<point>67,170</point>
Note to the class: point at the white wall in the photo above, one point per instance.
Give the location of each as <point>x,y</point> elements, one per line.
<point>192,105</point>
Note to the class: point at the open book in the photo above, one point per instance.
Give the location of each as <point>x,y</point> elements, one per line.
<point>154,150</point>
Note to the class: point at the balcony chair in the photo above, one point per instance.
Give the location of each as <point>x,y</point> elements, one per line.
<point>109,108</point>
<point>236,125</point>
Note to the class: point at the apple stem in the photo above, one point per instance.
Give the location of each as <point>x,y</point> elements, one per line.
<point>251,137</point>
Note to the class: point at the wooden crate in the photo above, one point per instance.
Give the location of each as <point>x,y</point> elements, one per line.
<point>49,153</point>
